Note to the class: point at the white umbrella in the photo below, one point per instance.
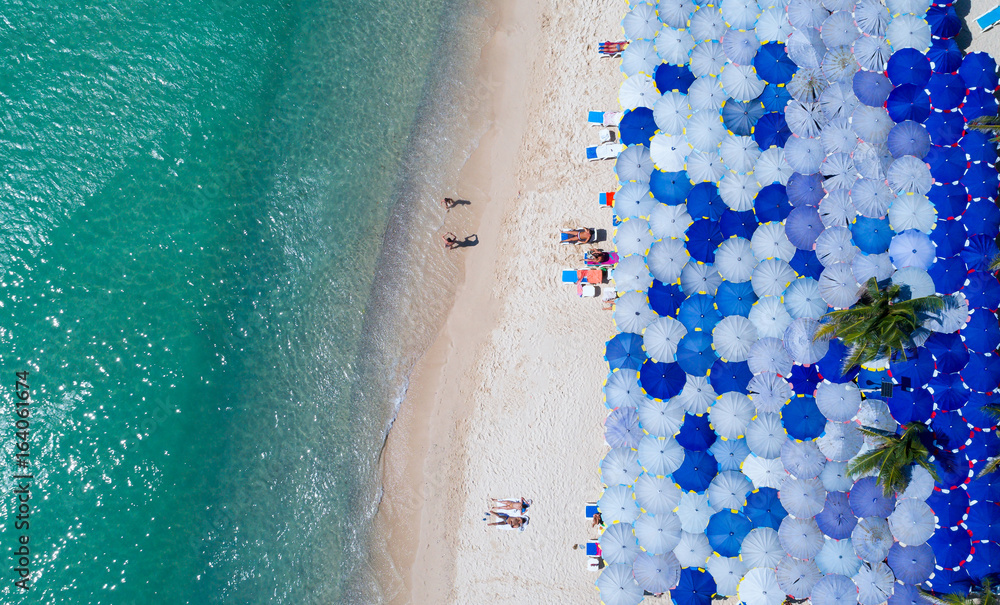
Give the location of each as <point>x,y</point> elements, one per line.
<point>617,506</point>
<point>772,167</point>
<point>770,317</point>
<point>638,91</point>
<point>633,236</point>
<point>739,190</point>
<point>838,402</point>
<point>836,209</point>
<point>911,248</point>
<point>621,389</point>
<point>657,495</point>
<point>838,167</point>
<point>707,58</point>
<point>839,64</point>
<point>634,164</point>
<point>741,82</point>
<point>834,476</point>
<point>807,84</point>
<point>669,152</point>
<point>912,211</point>
<point>660,338</point>
<point>951,317</point>
<point>705,130</point>
<point>771,277</point>
<point>733,337</point>
<point>764,472</point>
<point>740,46</point>
<point>867,266</point>
<point>633,200</point>
<point>705,166</point>
<point>806,48</point>
<point>916,7</point>
<point>641,22</point>
<point>872,17</point>
<point>797,577</point>
<point>801,538</point>
<point>872,158</point>
<point>772,25</point>
<point>838,287</point>
<point>806,13</point>
<point>921,485</point>
<point>697,394</point>
<point>669,222</point>
<point>674,45</point>
<point>620,466</point>
<point>618,587</point>
<point>765,435</point>
<point>675,13</point>
<point>839,29</point>
<point>693,550</point>
<point>671,111</point>
<point>875,583</point>
<point>802,497</point>
<point>915,280</point>
<point>875,413</point>
<point>694,511</point>
<point>872,539</point>
<point>909,31</point>
<point>700,278</point>
<point>872,124</point>
<point>872,52</point>
<point>839,137</point>
<point>769,392</point>
<point>632,312</point>
<point>658,534</point>
<point>803,299</point>
<point>834,589</point>
<point>662,418</point>
<point>760,587</point>
<point>799,341</point>
<point>730,415</point>
<point>727,573</point>
<point>909,175</point>
<point>735,260</point>
<point>804,119</point>
<point>802,459</point>
<point>871,197</point>
<point>769,355</point>
<point>838,101</point>
<point>835,245</point>
<point>639,56</point>
<point>740,14</point>
<point>841,441</point>
<point>618,544</point>
<point>631,273</point>
<point>707,23</point>
<point>657,573</point>
<point>761,548</point>
<point>706,93</point>
<point>729,490</point>
<point>804,155</point>
<point>912,523</point>
<point>770,241</point>
<point>740,153</point>
<point>838,557</point>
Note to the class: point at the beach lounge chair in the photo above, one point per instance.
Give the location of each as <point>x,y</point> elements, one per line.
<point>612,49</point>
<point>566,236</point>
<point>586,291</point>
<point>590,510</point>
<point>989,19</point>
<point>594,562</point>
<point>583,276</point>
<point>606,135</point>
<point>605,151</point>
<point>607,199</point>
<point>604,118</point>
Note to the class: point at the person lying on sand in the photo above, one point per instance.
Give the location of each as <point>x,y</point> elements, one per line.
<point>574,236</point>
<point>519,505</point>
<point>505,519</point>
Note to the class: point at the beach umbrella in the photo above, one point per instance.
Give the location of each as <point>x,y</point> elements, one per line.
<point>656,573</point>
<point>981,334</point>
<point>805,263</point>
<point>663,417</point>
<point>764,508</point>
<point>944,21</point>
<point>945,55</point>
<point>675,13</point>
<point>707,58</point>
<point>738,191</point>
<point>733,337</point>
<point>799,341</point>
<point>693,550</point>
<point>982,290</point>
<point>771,204</point>
<point>872,158</point>
<point>632,312</point>
<point>620,466</point>
<point>836,519</point>
<point>633,200</point>
<point>981,180</point>
<point>803,299</point>
<point>770,317</point>
<point>838,169</point>
<point>706,94</point>
<point>669,152</point>
<point>805,47</point>
<point>869,500</point>
<point>838,402</point>
<point>945,128</point>
<point>670,111</point>
<point>838,557</point>
<point>772,167</point>
<point>805,378</point>
<point>704,130</point>
<point>912,211</point>
<point>621,389</point>
<point>621,428</point>
<point>697,470</point>
<point>638,91</point>
<point>871,88</point>
<point>704,202</point>
<point>801,538</point>
<point>669,187</point>
<point>797,577</point>
<point>875,583</point>
<point>836,209</point>
<point>803,226</point>
<point>698,313</point>
<point>831,365</point>
<point>947,91</point>
<point>911,564</point>
<point>872,17</point>
<point>872,538</point>
<point>631,273</point>
<point>618,544</point>
<point>661,380</point>
<point>908,31</point>
<point>775,97</point>
<point>834,589</point>
<point>805,189</point>
<point>730,415</point>
<point>674,45</point>
<point>633,236</point>
<point>769,241</point>
<point>694,511</point>
<point>912,523</point>
<point>802,497</point>
<point>659,456</point>
<point>729,453</point>
<point>983,372</point>
<point>910,175</point>
<point>838,287</point>
<point>871,197</point>
<point>760,587</point>
<point>769,355</point>
<point>616,505</point>
<point>872,52</point>
<point>740,46</point>
<point>666,260</point>
<point>951,547</point>
<point>978,102</point>
<point>773,64</point>
<point>948,164</point>
<point>838,101</point>
<point>871,235</point>
<point>909,138</point>
<point>979,252</point>
<point>656,495</point>
<point>807,85</point>
<point>696,434</point>
<point>950,393</point>
<point>636,126</point>
<point>908,102</point>
<point>726,531</point>
<point>911,248</point>
<point>835,476</point>
<point>740,14</point>
<point>772,26</point>
<point>634,164</point>
<point>625,351</point>
<point>617,585</point>
<point>696,587</point>
<point>669,221</point>
<point>695,354</point>
<point>705,166</point>
<point>949,354</point>
<point>806,13</point>
<point>871,124</point>
<point>983,520</point>
<point>949,237</point>
<point>764,472</point>
<point>805,119</point>
<point>979,70</point>
<point>739,153</point>
<point>839,64</point>
<point>802,459</point>
<point>909,66</point>
<point>741,82</point>
<point>839,29</point>
<point>700,278</point>
<point>761,548</point>
<point>735,298</point>
<point>658,534</point>
<point>727,573</point>
<point>641,22</point>
<point>732,376</point>
<point>802,419</point>
<point>769,392</point>
<point>765,435</point>
<point>639,56</point>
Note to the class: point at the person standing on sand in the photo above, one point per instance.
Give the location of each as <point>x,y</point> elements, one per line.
<point>450,241</point>
<point>448,203</point>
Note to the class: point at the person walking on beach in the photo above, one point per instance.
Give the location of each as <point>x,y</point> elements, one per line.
<point>450,241</point>
<point>448,203</point>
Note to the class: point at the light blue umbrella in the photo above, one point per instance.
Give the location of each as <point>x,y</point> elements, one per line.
<point>839,64</point>
<point>836,209</point>
<point>871,124</point>
<point>631,273</point>
<point>770,241</point>
<point>875,583</point>
<point>839,29</point>
<point>632,312</point>
<point>669,222</point>
<point>733,337</point>
<point>618,544</point>
<point>739,14</point>
<point>841,441</point>
<point>700,278</point>
<point>661,417</point>
<point>735,259</point>
<point>803,299</point>
<point>760,587</point>
<point>801,538</point>
<point>771,277</point>
<point>707,58</point>
<point>761,548</point>
<point>867,266</point>
<point>912,522</point>
<point>641,22</point>
<point>657,573</point>
<point>617,586</point>
<point>871,197</point>
<point>837,285</point>
<point>909,175</point>
<point>838,101</point>
<point>773,25</point>
<point>839,402</point>
<point>657,495</point>
<point>769,355</point>
<point>659,456</point>
<point>765,435</point>
<point>729,490</point>
<point>912,211</point>
<point>769,392</point>
<point>707,23</point>
<point>675,13</point>
<point>621,389</point>
<point>915,282</point>
<point>872,158</point>
<point>834,476</point>
<point>764,472</point>
<point>697,394</point>
<point>806,13</point>
<point>730,414</point>
<point>770,317</point>
<point>674,45</point>
<point>834,589</point>
<point>909,31</point>
<point>838,557</point>
<point>658,534</point>
<point>633,237</point>
<point>620,466</point>
<point>911,248</point>
<point>804,155</point>
<point>634,164</point>
<point>634,200</point>
<point>706,94</point>
<point>660,338</point>
<point>800,344</point>
<point>803,498</point>
<point>617,505</point>
<point>729,453</point>
<point>797,577</point>
<point>802,459</point>
<point>705,166</point>
<point>872,53</point>
<point>638,91</point>
<point>727,573</point>
<point>671,111</point>
<point>693,550</point>
<point>621,428</point>
<point>872,17</point>
<point>838,167</point>
<point>694,511</point>
<point>872,539</point>
<point>808,84</point>
<point>704,129</point>
<point>639,56</point>
<point>805,119</point>
<point>741,82</point>
<point>740,46</point>
<point>839,137</point>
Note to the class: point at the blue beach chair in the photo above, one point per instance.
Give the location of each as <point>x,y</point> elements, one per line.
<point>989,19</point>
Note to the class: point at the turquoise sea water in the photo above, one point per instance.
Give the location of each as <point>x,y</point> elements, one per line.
<point>193,198</point>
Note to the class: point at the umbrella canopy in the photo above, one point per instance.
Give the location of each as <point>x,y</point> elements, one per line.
<point>805,189</point>
<point>979,252</point>
<point>633,199</point>
<point>659,456</point>
<point>669,187</point>
<point>621,428</point>
<point>658,534</point>
<point>694,511</point>
<point>738,190</point>
<point>797,577</point>
<point>726,531</point>
<point>951,548</point>
<point>911,248</point>
<point>696,587</point>
<point>733,337</point>
<point>948,164</point>
<point>771,204</point>
<point>911,564</point>
<point>699,277</point>
<point>656,573</point>
<point>704,202</point>
<point>908,102</point>
<point>656,495</point>
<point>765,435</point>
<point>695,356</point>
<point>764,508</point>
<point>804,155</point>
<point>707,23</point>
<point>839,137</point>
<point>729,453</point>
<point>638,91</point>
<point>912,211</point>
<point>706,94</point>
<point>799,341</point>
<point>762,548</point>
<point>839,29</point>
<point>872,52</point>
<point>617,505</point>
<point>669,221</point>
<point>770,317</point>
<point>909,31</point>
<point>769,355</point>
<point>632,312</point>
<point>661,417</point>
<point>636,126</point>
<point>801,538</point>
<point>625,351</point>
<point>909,175</point>
<point>669,152</point>
<point>641,22</point>
<point>806,47</point>
<point>620,466</point>
<point>872,538</point>
<point>769,392</point>
<point>634,164</point>
<point>871,124</point>
<point>947,91</point>
<point>869,500</point>
<point>802,459</point>
<point>764,472</point>
<point>945,128</point>
<point>909,66</point>
<point>835,476</point>
<point>803,299</point>
<point>838,557</point>
<point>871,88</point>
<point>802,419</point>
<point>770,241</point>
<point>633,236</point>
<point>698,313</point>
<point>915,282</point>
<point>675,13</point>
<point>909,138</point>
<point>773,64</point>
<point>875,583</point>
<point>838,287</point>
<point>979,70</point>
<point>741,82</point>
<point>621,389</point>
<point>760,587</point>
<point>772,167</point>
<point>949,354</point>
<point>771,277</point>
<point>693,550</point>
<point>670,112</point>
<point>697,471</point>
<point>836,519</point>
<point>732,376</point>
<point>740,14</point>
<point>805,119</point>
<point>674,45</point>
<point>983,372</point>
<point>705,130</point>
<point>666,260</point>
<point>981,334</point>
<point>871,197</point>
<point>836,209</point>
<point>735,298</point>
<point>696,434</point>
<point>631,273</point>
<point>740,46</point>
<point>912,523</point>
<point>730,415</point>
<point>661,380</point>
<point>839,64</point>
<point>866,266</point>
<point>707,58</point>
<point>639,56</point>
<point>727,573</point>
<point>739,153</point>
<point>617,585</point>
<point>803,226</point>
<point>705,166</point>
<point>838,169</point>
<point>802,497</point>
<point>841,441</point>
<point>618,544</point>
<point>834,589</point>
<point>871,235</point>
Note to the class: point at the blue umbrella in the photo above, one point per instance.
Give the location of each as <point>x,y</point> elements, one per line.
<point>918,369</point>
<point>735,298</point>
<point>909,138</point>
<point>985,561</point>
<point>947,165</point>
<point>704,202</point>
<point>804,379</point>
<point>773,64</point>
<point>805,189</point>
<point>945,128</point>
<point>907,594</point>
<point>726,530</point>
<point>911,248</point>
<point>695,354</point>
<point>949,237</point>
<point>974,414</point>
<point>741,116</point>
<point>907,102</point>
<point>871,88</point>
<point>951,547</point>
<point>984,442</point>
<point>804,225</point>
<point>696,587</point>
<point>698,313</point>
<point>982,180</point>
<point>983,490</point>
<point>950,580</point>
<point>802,419</point>
<point>696,433</point>
<point>947,91</point>
<point>949,199</point>
<point>951,433</point>
<point>832,364</point>
<point>945,55</point>
<point>984,520</point>
<point>806,264</point>
<point>775,97</point>
<point>764,508</point>
<point>625,351</point>
<point>916,404</point>
<point>979,147</point>
<point>955,469</point>
<point>771,203</point>
<point>836,519</point>
<point>871,235</point>
<point>665,299</point>
<point>669,187</point>
<point>738,224</point>
<point>704,236</point>
<point>909,66</point>
<point>771,130</point>
<point>950,355</point>
<point>637,126</point>
<point>673,77</point>
<point>621,428</point>
<point>949,392</point>
<point>983,372</point>
<point>982,217</point>
<point>948,274</point>
<point>979,102</point>
<point>868,499</point>
<point>732,376</point>
<point>981,334</point>
<point>697,471</point>
<point>911,564</point>
<point>979,70</point>
<point>944,21</point>
<point>661,380</point>
<point>950,508</point>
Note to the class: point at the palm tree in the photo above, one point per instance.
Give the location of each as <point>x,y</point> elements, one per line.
<point>986,124</point>
<point>982,594</point>
<point>895,457</point>
<point>993,462</point>
<point>879,325</point>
